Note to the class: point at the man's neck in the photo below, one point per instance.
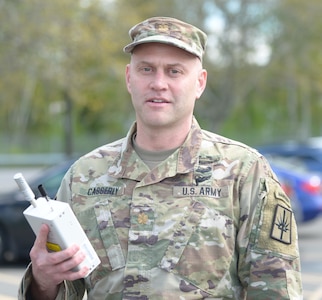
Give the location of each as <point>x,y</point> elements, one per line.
<point>161,139</point>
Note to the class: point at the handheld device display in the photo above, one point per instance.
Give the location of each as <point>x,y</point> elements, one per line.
<point>65,229</point>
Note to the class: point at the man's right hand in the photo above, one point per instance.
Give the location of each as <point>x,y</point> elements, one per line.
<point>50,269</point>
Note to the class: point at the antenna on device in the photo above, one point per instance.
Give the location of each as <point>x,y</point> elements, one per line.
<point>43,193</point>
<point>25,188</point>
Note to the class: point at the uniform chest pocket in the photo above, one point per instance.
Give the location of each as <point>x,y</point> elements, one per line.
<point>202,248</point>
<point>98,225</point>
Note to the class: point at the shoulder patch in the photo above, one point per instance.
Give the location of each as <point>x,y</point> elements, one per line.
<point>276,230</point>
<point>282,225</point>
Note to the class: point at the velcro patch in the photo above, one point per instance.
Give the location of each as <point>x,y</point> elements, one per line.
<point>282,225</point>
<point>201,190</point>
<point>276,230</point>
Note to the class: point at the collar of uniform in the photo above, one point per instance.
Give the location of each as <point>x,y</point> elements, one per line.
<point>187,153</point>
<point>128,162</point>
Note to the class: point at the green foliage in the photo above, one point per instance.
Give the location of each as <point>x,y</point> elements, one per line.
<point>62,69</point>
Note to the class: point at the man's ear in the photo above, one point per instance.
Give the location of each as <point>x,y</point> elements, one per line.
<point>201,84</point>
<point>127,78</point>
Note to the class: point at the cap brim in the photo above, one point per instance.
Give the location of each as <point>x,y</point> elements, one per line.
<point>163,40</point>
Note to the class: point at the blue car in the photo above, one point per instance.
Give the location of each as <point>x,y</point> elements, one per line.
<point>308,152</point>
<point>303,187</point>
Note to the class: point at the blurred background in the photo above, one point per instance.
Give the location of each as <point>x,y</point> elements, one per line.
<point>62,70</point>
<point>62,94</point>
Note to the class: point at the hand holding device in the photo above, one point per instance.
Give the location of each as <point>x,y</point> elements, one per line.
<point>65,229</point>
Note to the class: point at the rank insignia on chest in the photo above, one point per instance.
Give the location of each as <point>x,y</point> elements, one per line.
<point>142,218</point>
<point>282,225</point>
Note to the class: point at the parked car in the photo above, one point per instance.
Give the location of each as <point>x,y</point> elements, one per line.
<point>16,236</point>
<point>309,152</point>
<point>303,186</point>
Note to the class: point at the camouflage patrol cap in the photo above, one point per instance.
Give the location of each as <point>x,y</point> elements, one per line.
<point>168,31</point>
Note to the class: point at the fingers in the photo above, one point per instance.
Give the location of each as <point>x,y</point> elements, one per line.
<point>40,250</point>
<point>55,266</point>
<point>51,269</point>
<point>67,259</point>
<point>64,255</point>
<point>64,265</point>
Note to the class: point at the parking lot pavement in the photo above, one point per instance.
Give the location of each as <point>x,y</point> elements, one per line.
<point>10,276</point>
<point>310,243</point>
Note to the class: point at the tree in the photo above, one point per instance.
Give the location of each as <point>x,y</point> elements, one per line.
<point>68,54</point>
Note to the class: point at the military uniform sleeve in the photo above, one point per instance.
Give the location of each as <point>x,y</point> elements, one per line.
<point>64,192</point>
<point>269,262</point>
<point>67,291</point>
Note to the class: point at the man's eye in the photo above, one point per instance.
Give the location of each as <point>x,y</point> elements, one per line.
<point>146,69</point>
<point>174,71</point>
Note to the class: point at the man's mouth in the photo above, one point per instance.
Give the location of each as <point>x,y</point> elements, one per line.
<point>158,101</point>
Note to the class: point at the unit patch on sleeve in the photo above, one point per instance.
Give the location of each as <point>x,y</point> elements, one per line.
<point>282,225</point>
<point>276,229</point>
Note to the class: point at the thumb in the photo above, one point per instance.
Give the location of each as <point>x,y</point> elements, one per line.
<point>42,236</point>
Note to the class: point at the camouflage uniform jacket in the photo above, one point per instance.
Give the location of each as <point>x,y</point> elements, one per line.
<point>210,222</point>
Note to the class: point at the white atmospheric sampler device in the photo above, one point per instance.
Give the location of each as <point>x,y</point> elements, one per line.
<point>65,229</point>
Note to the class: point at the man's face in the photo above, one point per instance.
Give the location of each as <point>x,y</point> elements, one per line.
<point>164,83</point>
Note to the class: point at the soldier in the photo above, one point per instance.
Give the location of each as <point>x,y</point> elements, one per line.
<point>173,211</point>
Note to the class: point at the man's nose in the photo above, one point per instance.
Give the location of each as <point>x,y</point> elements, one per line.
<point>158,81</point>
